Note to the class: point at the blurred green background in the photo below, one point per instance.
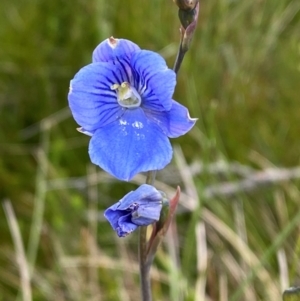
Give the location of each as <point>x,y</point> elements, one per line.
<point>237,230</point>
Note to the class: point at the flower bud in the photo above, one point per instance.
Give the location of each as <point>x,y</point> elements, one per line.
<point>186,4</point>
<point>187,17</point>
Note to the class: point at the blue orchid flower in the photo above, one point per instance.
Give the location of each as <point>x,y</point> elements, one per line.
<point>124,101</point>
<point>141,207</point>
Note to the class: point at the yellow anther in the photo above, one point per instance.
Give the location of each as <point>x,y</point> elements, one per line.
<point>114,87</point>
<point>127,95</point>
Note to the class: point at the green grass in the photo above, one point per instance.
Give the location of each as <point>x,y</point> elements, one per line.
<point>240,78</point>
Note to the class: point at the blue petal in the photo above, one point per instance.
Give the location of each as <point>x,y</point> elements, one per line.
<point>92,101</point>
<point>144,194</point>
<point>125,226</point>
<point>114,49</point>
<point>153,80</point>
<point>130,145</point>
<point>120,221</point>
<point>113,216</point>
<point>147,214</point>
<point>175,122</point>
<point>85,132</point>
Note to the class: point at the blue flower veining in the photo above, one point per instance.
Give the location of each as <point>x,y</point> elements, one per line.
<point>123,100</point>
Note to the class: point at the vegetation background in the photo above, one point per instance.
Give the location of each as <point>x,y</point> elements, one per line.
<point>236,235</point>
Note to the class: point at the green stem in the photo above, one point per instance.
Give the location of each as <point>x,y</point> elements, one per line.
<point>151,177</point>
<point>145,265</point>
<point>180,56</point>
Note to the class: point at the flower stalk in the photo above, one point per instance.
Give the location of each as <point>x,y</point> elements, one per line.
<point>143,246</point>
<point>144,266</point>
<point>148,248</point>
<point>188,14</point>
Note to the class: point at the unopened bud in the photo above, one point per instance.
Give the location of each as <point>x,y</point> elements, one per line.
<point>187,17</point>
<point>189,22</point>
<point>186,4</point>
<point>188,14</point>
